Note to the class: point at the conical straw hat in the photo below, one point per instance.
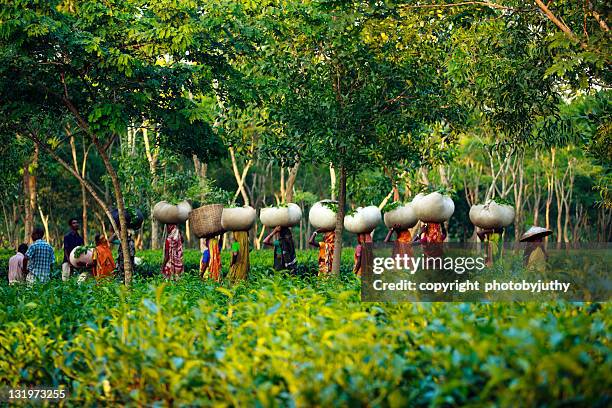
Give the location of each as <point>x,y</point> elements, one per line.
<point>535,232</point>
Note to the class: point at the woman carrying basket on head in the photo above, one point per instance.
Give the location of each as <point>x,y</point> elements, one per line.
<point>326,250</point>
<point>210,264</point>
<point>284,248</point>
<point>172,266</point>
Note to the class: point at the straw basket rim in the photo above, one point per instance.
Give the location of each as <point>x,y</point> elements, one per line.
<point>205,221</point>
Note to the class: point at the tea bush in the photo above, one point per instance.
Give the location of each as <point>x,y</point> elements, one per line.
<point>278,340</point>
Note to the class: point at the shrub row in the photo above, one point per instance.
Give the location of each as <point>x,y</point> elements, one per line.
<point>282,341</point>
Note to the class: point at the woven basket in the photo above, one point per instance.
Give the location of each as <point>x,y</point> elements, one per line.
<point>206,220</point>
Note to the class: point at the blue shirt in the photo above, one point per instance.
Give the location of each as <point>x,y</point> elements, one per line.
<point>40,258</point>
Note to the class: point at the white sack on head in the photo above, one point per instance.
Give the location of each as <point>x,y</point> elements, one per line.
<point>167,213</point>
<point>281,216</point>
<point>184,209</point>
<point>322,217</point>
<point>363,221</point>
<point>404,216</point>
<point>491,215</point>
<point>238,218</point>
<point>434,207</point>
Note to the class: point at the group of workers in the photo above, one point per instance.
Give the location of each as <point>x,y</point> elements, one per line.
<point>33,263</point>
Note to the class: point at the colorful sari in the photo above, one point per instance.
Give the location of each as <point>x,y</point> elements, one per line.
<point>104,264</point>
<point>174,251</point>
<point>239,270</point>
<point>211,260</point>
<point>362,253</point>
<point>433,239</point>
<point>403,245</point>
<point>326,253</point>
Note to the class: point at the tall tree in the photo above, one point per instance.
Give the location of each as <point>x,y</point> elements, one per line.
<point>102,65</point>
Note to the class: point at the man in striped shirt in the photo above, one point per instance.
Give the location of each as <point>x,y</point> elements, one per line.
<point>39,258</point>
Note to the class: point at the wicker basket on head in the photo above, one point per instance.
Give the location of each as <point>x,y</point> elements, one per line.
<point>206,221</point>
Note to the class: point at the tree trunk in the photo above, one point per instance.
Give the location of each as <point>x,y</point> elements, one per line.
<point>550,184</point>
<point>339,223</point>
<point>29,187</point>
<point>116,186</point>
<point>283,194</point>
<point>517,186</point>
<point>71,170</point>
<point>45,221</point>
<point>240,178</point>
<point>386,199</point>
<point>82,170</point>
<point>121,208</point>
<point>152,160</point>
<point>537,195</point>
<point>7,223</point>
<point>84,193</point>
<point>291,182</point>
<point>567,201</point>
<point>332,181</point>
<point>27,213</point>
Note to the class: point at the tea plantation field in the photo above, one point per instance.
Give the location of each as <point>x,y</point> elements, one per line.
<point>284,341</point>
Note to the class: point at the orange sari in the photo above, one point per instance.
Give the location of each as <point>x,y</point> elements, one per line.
<point>104,263</point>
<point>403,244</point>
<point>326,253</point>
<point>213,264</point>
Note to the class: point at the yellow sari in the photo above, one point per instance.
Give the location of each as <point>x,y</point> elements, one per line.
<point>240,269</point>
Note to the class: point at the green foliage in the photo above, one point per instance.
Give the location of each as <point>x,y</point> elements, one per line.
<point>427,189</point>
<point>503,201</point>
<point>392,206</point>
<point>306,197</point>
<point>82,249</point>
<point>332,205</point>
<point>278,340</point>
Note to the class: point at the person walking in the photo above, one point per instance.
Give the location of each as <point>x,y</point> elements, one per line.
<point>403,244</point>
<point>39,258</point>
<point>210,264</point>
<point>71,240</point>
<point>432,237</point>
<point>363,253</point>
<point>240,265</point>
<point>16,270</point>
<point>284,248</point>
<point>326,250</point>
<point>494,239</point>
<point>172,266</point>
<point>535,255</point>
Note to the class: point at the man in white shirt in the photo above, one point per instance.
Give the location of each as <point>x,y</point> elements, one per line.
<point>16,271</point>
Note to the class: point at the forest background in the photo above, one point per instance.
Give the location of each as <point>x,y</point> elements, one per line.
<point>109,104</point>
